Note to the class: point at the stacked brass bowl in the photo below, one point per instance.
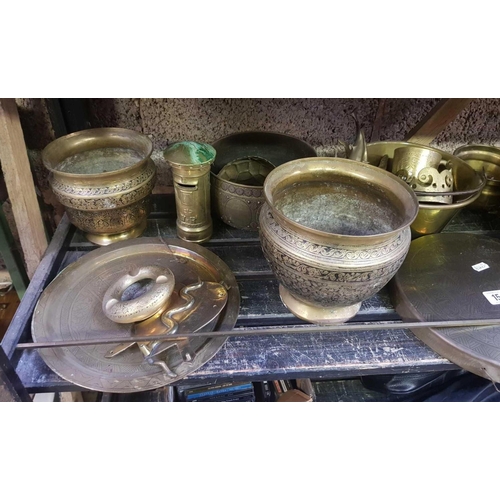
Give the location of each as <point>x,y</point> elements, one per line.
<point>104,178</point>
<point>484,159</point>
<point>432,216</point>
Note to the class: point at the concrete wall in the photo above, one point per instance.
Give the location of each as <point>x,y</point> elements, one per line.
<point>320,122</point>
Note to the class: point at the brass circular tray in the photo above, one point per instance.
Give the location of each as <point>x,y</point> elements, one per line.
<point>437,282</point>
<point>70,308</point>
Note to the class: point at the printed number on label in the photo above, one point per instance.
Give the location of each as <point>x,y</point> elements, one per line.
<point>480,267</point>
<point>493,297</point>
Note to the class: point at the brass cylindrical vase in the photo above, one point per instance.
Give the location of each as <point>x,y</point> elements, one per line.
<point>104,178</point>
<point>190,163</point>
<point>334,231</point>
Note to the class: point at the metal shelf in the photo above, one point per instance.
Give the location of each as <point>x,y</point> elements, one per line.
<point>319,355</point>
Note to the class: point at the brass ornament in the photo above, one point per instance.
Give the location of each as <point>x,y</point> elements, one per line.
<point>334,231</point>
<point>422,170</point>
<point>104,178</point>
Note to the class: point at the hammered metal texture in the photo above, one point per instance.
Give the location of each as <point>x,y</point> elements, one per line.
<point>237,192</point>
<point>70,308</point>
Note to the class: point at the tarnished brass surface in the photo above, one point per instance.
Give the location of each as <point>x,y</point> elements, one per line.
<point>145,306</point>
<point>190,163</point>
<point>334,231</point>
<point>439,281</point>
<point>357,151</point>
<point>70,308</point>
<point>104,177</point>
<point>237,191</point>
<point>433,218</point>
<point>423,171</point>
<point>484,158</point>
<point>274,147</point>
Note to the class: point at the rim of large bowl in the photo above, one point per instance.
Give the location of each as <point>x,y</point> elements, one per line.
<point>266,132</point>
<point>357,165</point>
<point>481,148</point>
<point>91,132</point>
<point>430,206</point>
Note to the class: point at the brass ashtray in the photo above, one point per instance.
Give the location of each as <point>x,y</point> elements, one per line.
<point>237,191</point>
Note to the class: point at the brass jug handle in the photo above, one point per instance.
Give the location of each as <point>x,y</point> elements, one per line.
<point>145,306</point>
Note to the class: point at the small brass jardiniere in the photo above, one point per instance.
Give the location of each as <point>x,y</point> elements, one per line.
<point>104,178</point>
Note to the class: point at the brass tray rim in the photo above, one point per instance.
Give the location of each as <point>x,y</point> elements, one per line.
<point>226,323</point>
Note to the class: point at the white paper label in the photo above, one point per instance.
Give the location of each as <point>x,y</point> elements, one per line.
<point>480,267</point>
<point>493,297</point>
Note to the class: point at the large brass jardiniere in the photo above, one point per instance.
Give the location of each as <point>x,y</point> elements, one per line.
<point>104,178</point>
<point>334,231</point>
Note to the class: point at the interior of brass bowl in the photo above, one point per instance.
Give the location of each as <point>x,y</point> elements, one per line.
<point>251,171</point>
<point>96,152</point>
<point>482,158</point>
<point>275,147</point>
<point>336,196</point>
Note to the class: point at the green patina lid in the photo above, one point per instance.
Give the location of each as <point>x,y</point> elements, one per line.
<point>189,153</point>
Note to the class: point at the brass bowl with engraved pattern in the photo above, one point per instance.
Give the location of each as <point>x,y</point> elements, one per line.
<point>104,178</point>
<point>334,232</point>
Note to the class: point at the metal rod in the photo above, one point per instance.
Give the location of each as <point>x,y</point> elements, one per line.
<point>256,331</point>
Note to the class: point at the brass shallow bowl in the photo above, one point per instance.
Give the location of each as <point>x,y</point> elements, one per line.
<point>433,218</point>
<point>334,231</point>
<point>104,178</point>
<point>237,191</point>
<point>484,159</point>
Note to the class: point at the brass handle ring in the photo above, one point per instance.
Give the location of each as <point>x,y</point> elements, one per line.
<point>145,306</point>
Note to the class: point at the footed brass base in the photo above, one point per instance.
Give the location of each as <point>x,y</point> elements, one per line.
<point>316,314</point>
<point>107,239</point>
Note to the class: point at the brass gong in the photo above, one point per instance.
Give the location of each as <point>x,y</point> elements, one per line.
<point>71,308</point>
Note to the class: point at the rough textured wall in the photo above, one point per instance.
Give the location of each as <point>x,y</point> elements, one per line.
<point>320,122</point>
